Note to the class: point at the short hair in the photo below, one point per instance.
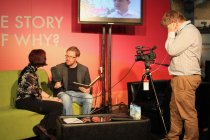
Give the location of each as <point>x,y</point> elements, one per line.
<point>170,16</point>
<point>74,49</point>
<point>37,57</point>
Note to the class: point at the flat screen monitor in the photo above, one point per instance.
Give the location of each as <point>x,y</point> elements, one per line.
<point>110,11</point>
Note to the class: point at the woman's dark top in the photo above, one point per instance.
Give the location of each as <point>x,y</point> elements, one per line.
<point>28,84</point>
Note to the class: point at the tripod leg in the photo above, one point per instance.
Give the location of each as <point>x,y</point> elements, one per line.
<point>157,103</point>
<point>138,89</point>
<point>142,80</point>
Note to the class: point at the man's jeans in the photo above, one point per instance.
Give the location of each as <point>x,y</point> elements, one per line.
<point>83,99</point>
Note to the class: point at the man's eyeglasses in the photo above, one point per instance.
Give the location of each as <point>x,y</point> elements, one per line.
<point>68,56</point>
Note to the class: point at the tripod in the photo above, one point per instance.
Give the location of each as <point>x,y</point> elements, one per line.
<point>148,75</point>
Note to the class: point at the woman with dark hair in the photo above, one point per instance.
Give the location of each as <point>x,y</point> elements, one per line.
<point>31,97</point>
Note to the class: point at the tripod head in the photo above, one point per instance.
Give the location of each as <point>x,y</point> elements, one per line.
<point>148,63</point>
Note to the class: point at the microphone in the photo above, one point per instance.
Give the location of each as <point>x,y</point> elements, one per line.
<point>101,70</point>
<point>154,47</point>
<point>110,11</point>
<point>166,65</point>
<point>139,47</point>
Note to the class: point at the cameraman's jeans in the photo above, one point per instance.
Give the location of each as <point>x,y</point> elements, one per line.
<point>83,99</point>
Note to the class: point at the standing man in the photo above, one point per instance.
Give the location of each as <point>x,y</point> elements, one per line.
<point>184,45</point>
<point>64,74</point>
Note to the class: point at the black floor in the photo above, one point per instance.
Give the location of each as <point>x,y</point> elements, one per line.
<point>203,136</point>
<point>152,137</point>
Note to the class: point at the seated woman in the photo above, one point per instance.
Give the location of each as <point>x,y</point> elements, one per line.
<point>31,97</point>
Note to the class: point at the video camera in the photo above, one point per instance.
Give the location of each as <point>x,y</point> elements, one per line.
<point>145,54</point>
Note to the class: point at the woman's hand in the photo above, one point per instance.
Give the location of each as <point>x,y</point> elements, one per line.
<point>56,99</point>
<point>47,97</point>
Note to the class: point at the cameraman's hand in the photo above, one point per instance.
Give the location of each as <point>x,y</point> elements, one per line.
<point>172,27</point>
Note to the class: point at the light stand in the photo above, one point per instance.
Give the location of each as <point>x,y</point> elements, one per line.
<point>106,59</point>
<point>148,75</point>
<point>103,64</point>
<point>109,66</point>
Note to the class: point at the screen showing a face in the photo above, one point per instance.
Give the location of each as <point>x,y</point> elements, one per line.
<point>110,11</point>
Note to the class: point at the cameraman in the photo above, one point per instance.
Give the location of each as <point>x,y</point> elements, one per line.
<point>184,45</point>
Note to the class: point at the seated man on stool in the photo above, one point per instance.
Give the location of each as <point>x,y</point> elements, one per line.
<point>63,76</point>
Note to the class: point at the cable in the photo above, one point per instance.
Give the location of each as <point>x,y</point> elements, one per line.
<point>123,76</point>
<point>160,64</point>
<point>94,110</point>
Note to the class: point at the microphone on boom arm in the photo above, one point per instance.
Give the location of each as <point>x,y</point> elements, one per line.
<point>143,48</point>
<point>166,65</point>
